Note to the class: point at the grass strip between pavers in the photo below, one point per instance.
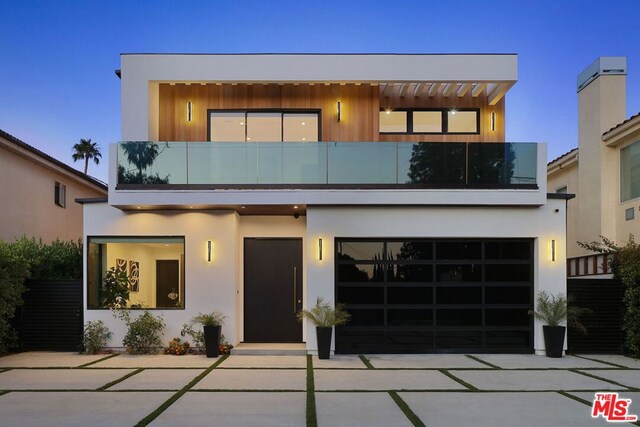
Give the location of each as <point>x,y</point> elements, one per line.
<point>99,360</point>
<point>585,402</point>
<point>311,415</point>
<point>484,362</point>
<point>458,380</point>
<point>4,370</point>
<point>366,361</point>
<point>596,377</point>
<point>155,414</point>
<point>601,361</point>
<point>415,420</point>
<point>4,392</point>
<point>119,380</point>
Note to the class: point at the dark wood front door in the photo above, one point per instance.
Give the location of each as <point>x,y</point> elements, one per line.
<point>272,290</point>
<point>167,281</point>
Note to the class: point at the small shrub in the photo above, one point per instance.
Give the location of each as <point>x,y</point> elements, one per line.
<point>177,347</point>
<point>196,334</point>
<point>144,334</point>
<point>224,347</point>
<point>115,289</point>
<point>95,336</point>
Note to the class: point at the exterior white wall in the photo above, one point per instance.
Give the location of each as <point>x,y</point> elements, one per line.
<point>542,224</point>
<point>208,286</point>
<point>219,285</point>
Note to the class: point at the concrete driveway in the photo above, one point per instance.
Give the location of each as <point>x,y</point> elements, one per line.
<point>63,389</point>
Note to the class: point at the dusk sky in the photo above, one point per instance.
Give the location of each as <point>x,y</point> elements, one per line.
<point>57,81</point>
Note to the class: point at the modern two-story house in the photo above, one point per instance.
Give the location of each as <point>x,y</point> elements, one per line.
<point>255,184</point>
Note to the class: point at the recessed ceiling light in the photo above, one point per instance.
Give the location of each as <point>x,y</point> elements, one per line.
<point>304,139</point>
<point>295,207</point>
<point>388,111</point>
<point>243,207</point>
<point>453,111</point>
<point>241,123</point>
<point>190,207</point>
<point>248,139</point>
<point>304,123</point>
<point>138,207</point>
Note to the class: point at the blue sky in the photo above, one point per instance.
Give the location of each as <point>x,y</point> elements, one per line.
<point>57,81</point>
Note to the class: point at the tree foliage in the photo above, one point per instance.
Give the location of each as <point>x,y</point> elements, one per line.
<point>625,266</point>
<point>14,269</point>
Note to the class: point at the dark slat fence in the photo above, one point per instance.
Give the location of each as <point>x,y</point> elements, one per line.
<point>604,325</point>
<point>51,317</point>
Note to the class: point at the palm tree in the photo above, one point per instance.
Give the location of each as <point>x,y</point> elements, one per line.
<point>86,150</point>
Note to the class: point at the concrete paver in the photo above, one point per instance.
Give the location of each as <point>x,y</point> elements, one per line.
<point>158,379</point>
<point>236,409</point>
<point>372,379</point>
<point>264,362</point>
<point>156,361</point>
<point>532,361</point>
<point>59,379</point>
<point>622,376</point>
<point>617,359</point>
<point>531,380</point>
<point>256,379</point>
<point>499,409</point>
<point>424,361</point>
<point>81,409</point>
<point>48,359</point>
<point>359,409</point>
<point>339,362</point>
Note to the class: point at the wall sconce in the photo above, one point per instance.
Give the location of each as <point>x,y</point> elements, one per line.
<point>189,111</point>
<point>209,250</point>
<point>493,121</point>
<point>320,249</point>
<point>553,250</point>
<point>338,110</point>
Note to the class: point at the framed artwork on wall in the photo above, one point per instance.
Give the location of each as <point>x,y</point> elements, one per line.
<point>134,276</point>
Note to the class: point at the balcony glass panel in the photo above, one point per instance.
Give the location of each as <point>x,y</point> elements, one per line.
<point>327,163</point>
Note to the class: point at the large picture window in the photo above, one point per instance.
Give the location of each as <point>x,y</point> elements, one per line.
<point>630,172</point>
<point>264,126</point>
<point>154,267</point>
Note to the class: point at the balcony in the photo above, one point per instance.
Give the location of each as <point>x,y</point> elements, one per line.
<point>325,165</point>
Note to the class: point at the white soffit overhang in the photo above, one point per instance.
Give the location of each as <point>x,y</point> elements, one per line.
<point>453,75</point>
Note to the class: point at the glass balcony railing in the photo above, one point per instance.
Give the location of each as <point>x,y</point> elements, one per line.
<point>338,164</point>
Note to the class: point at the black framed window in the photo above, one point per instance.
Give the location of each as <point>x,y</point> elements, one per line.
<point>435,121</point>
<point>153,265</point>
<point>435,295</point>
<point>60,195</point>
<point>264,125</point>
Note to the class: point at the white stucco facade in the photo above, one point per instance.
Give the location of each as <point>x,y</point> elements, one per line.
<point>218,285</point>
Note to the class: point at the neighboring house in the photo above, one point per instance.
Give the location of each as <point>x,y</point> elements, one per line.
<point>379,181</point>
<point>604,171</point>
<point>37,193</point>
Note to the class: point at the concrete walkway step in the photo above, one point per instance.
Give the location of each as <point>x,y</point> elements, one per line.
<point>270,349</point>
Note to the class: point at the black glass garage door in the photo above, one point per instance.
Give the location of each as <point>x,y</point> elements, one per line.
<point>427,296</point>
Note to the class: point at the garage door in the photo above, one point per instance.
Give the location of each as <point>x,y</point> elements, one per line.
<point>429,296</point>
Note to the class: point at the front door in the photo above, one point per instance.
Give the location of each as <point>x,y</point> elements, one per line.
<point>272,290</point>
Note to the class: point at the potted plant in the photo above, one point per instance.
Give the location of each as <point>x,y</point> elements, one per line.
<point>212,327</point>
<point>325,317</point>
<point>553,310</point>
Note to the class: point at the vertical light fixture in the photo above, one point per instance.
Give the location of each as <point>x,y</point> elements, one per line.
<point>553,250</point>
<point>338,110</point>
<point>493,121</point>
<point>209,250</point>
<point>189,110</point>
<point>320,249</point>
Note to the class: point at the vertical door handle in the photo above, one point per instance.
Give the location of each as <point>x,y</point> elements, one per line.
<point>295,290</point>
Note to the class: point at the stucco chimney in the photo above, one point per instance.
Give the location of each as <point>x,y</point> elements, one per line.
<point>601,106</point>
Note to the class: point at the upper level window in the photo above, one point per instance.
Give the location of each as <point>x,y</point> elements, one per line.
<point>393,121</point>
<point>434,121</point>
<point>630,172</point>
<point>263,126</point>
<point>60,195</point>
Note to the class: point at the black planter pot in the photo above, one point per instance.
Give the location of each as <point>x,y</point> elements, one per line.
<point>323,333</point>
<point>554,340</point>
<point>212,340</point>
